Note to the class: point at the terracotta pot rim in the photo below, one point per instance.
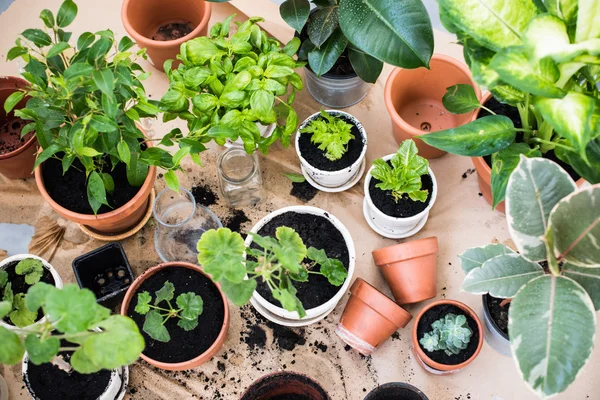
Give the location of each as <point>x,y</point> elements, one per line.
<point>218,341</point>
<point>282,373</point>
<point>405,251</point>
<point>160,43</point>
<point>429,361</point>
<point>4,83</point>
<point>399,314</point>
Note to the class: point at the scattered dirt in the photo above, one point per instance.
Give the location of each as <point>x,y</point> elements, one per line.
<point>204,195</point>
<point>303,191</point>
<point>173,31</point>
<point>468,173</point>
<point>235,220</point>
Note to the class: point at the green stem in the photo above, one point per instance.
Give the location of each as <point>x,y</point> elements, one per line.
<point>538,140</point>
<point>487,109</point>
<point>68,349</point>
<point>76,335</point>
<point>554,269</point>
<point>158,308</point>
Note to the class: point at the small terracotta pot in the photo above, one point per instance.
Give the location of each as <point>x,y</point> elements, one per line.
<point>413,98</point>
<point>143,18</point>
<point>370,318</point>
<point>17,164</point>
<point>284,383</point>
<point>410,269</point>
<point>212,350</point>
<point>428,363</point>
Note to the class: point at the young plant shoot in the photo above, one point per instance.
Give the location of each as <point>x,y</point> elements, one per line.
<point>32,269</point>
<point>451,334</point>
<point>331,134</point>
<point>278,262</point>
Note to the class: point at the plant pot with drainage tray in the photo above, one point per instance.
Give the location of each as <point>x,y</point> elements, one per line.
<point>285,386</point>
<point>447,336</point>
<point>332,146</point>
<point>182,314</point>
<point>495,316</point>
<point>400,189</point>
<point>106,272</point>
<point>396,391</point>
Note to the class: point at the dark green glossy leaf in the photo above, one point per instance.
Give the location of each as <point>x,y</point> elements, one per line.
<point>104,79</point>
<point>295,13</point>
<point>96,188</point>
<point>48,18</point>
<point>125,43</point>
<point>37,37</point>
<point>13,100</point>
<point>322,24</point>
<point>84,40</point>
<point>366,67</point>
<point>322,60</point>
<point>78,70</point>
<point>15,52</point>
<point>57,49</point>
<point>66,13</point>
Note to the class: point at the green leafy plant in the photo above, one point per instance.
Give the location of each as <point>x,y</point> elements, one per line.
<point>278,262</point>
<point>538,56</point>
<point>403,177</point>
<point>189,308</point>
<point>99,340</point>
<point>19,314</point>
<point>552,314</point>
<point>331,134</point>
<point>451,334</point>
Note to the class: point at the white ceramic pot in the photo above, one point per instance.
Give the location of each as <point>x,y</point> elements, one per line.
<point>333,179</point>
<point>397,226</point>
<point>265,131</point>
<point>57,281</point>
<point>115,390</point>
<point>329,305</point>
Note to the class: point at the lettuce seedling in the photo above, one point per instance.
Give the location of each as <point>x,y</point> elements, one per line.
<point>331,134</point>
<point>33,270</point>
<point>189,308</point>
<point>451,334</point>
<point>278,262</point>
<point>403,177</point>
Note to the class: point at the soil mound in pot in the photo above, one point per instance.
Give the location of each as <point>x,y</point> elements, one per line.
<point>173,31</point>
<point>10,136</point>
<point>393,393</point>
<point>498,313</point>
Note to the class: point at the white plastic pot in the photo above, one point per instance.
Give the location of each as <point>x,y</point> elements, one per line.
<point>333,179</point>
<point>312,313</point>
<point>57,281</point>
<point>393,225</point>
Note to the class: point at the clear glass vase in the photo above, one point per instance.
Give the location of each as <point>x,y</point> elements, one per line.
<point>240,178</point>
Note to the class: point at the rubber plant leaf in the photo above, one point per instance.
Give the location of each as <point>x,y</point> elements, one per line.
<point>321,60</point>
<point>475,257</point>
<point>295,13</point>
<point>588,278</point>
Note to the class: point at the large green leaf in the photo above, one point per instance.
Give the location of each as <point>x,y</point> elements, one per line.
<point>295,13</point>
<point>396,32</point>
<point>239,293</point>
<point>460,99</point>
<point>587,20</point>
<point>220,253</point>
<point>322,24</point>
<point>590,170</point>
<point>589,278</point>
<point>563,9</point>
<point>481,137</point>
<point>322,60</point>
<point>552,325</point>
<point>476,256</point>
<point>12,350</point>
<point>70,308</point>
<point>366,67</point>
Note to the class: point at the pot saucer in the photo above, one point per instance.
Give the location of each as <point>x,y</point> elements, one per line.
<point>342,188</point>
<point>285,321</point>
<point>388,233</point>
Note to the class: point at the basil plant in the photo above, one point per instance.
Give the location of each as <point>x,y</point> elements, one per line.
<point>541,57</point>
<point>552,316</point>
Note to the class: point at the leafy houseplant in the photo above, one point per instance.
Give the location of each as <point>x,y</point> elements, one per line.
<point>331,134</point>
<point>32,270</point>
<point>450,334</point>
<point>537,57</point>
<point>552,313</point>
<point>278,262</point>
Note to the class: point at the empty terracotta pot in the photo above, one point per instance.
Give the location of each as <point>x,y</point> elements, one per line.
<point>18,163</point>
<point>278,385</point>
<point>143,18</point>
<point>413,98</point>
<point>370,318</point>
<point>410,269</point>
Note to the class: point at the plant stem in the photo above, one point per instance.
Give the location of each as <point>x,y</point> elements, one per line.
<point>487,109</point>
<point>68,349</point>
<point>538,140</point>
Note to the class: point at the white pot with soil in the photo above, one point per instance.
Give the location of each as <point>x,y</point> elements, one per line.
<point>495,327</point>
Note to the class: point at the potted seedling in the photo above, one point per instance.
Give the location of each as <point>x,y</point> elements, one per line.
<point>447,336</point>
<point>183,315</point>
<point>17,274</point>
<point>553,225</point>
<point>521,70</point>
<point>396,390</point>
<point>332,146</point>
<point>295,265</point>
<point>285,385</point>
<point>400,189</point>
<point>78,351</point>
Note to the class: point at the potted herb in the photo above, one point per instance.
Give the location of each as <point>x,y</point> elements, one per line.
<point>332,146</point>
<point>543,82</point>
<point>183,315</point>
<point>17,274</point>
<point>285,385</point>
<point>295,265</point>
<point>400,189</point>
<point>396,390</point>
<point>346,42</point>
<point>447,336</point>
<point>370,318</point>
<point>551,223</point>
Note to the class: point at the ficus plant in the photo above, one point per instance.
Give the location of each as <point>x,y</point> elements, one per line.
<point>32,270</point>
<point>552,319</point>
<point>277,261</point>
<point>331,134</point>
<point>451,334</point>
<point>97,339</point>
<point>538,56</point>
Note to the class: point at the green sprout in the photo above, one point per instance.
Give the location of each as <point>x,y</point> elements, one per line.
<point>331,134</point>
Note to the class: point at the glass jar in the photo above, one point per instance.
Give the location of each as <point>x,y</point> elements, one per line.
<point>336,91</point>
<point>240,178</point>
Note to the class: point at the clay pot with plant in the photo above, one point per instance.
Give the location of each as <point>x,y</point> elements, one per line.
<point>396,391</point>
<point>183,315</point>
<point>285,386</point>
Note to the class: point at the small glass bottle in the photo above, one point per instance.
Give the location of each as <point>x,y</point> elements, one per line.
<point>240,178</point>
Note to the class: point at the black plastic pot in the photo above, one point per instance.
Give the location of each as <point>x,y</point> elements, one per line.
<point>494,336</point>
<point>396,391</point>
<point>106,272</point>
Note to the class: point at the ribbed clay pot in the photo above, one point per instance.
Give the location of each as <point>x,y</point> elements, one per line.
<point>410,269</point>
<point>281,384</point>
<point>413,98</point>
<point>370,318</point>
<point>17,164</point>
<point>143,18</point>
<point>212,350</point>
<point>397,391</point>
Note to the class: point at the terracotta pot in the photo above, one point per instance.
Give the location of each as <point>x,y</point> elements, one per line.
<point>370,318</point>
<point>396,390</point>
<point>17,164</point>
<point>212,350</point>
<point>410,269</point>
<point>143,18</point>
<point>284,383</point>
<point>413,98</point>
<point>433,366</point>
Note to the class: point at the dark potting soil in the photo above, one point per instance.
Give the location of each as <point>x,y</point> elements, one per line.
<point>498,313</point>
<point>303,191</point>
<point>394,393</point>
<point>10,136</point>
<point>70,190</point>
<point>437,312</point>
<point>318,232</point>
<point>290,397</point>
<point>317,159</point>
<point>235,221</point>
<point>184,345</point>
<point>173,31</point>
<point>204,195</point>
<point>285,379</point>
